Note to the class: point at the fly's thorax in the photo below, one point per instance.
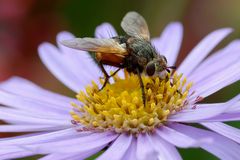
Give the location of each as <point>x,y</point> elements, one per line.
<point>141,48</point>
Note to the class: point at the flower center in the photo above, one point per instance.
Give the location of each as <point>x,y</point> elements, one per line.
<point>119,106</point>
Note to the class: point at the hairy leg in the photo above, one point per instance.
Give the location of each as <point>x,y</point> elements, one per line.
<point>115,72</point>
<point>105,75</point>
<point>142,87</point>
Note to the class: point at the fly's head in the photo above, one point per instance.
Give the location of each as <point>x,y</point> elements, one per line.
<point>158,66</point>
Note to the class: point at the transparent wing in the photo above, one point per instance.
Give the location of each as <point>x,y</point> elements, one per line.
<point>135,25</point>
<point>96,45</point>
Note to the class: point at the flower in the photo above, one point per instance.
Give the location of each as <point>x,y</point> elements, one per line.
<point>114,119</point>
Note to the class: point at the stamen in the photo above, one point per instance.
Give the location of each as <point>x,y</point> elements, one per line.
<point>119,106</point>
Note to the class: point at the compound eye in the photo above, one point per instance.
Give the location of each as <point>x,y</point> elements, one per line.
<point>150,69</point>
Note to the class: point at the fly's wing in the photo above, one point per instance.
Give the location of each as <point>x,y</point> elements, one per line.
<point>96,45</point>
<point>135,25</point>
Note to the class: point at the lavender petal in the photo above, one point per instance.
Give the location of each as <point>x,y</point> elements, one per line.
<point>202,50</point>
<point>76,59</point>
<point>168,44</point>
<point>35,107</point>
<point>221,146</point>
<point>132,149</point>
<point>224,129</point>
<point>165,150</point>
<point>178,139</point>
<point>21,117</point>
<point>105,30</point>
<point>29,128</point>
<point>145,148</point>
<point>7,153</point>
<point>202,112</point>
<point>217,81</point>
<point>90,142</point>
<point>43,137</point>
<point>213,64</point>
<point>65,66</point>
<point>118,148</point>
<point>72,156</point>
<point>226,117</point>
<point>23,88</point>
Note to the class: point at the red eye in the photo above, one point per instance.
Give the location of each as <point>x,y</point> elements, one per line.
<point>150,69</point>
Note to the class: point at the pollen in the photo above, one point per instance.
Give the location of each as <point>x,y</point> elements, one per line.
<point>119,106</point>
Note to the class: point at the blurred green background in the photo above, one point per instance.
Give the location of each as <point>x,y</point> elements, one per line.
<point>24,24</point>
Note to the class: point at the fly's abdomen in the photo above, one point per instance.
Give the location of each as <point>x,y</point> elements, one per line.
<point>110,59</point>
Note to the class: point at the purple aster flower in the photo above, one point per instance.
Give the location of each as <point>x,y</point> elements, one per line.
<point>115,120</point>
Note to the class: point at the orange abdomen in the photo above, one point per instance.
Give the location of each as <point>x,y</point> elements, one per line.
<point>115,60</point>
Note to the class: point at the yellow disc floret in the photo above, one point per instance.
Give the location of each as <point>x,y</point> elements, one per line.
<point>119,106</point>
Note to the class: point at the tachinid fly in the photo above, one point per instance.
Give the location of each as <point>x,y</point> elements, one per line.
<point>132,52</point>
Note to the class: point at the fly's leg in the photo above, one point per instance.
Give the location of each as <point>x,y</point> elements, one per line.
<point>115,72</point>
<point>179,93</point>
<point>171,83</point>
<point>142,87</point>
<point>105,75</point>
<point>177,89</point>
